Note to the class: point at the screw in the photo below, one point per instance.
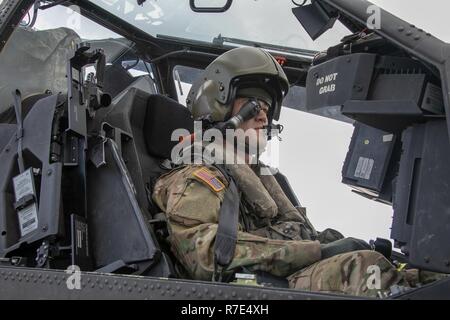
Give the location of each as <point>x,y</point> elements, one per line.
<point>427,259</point>
<point>45,228</point>
<point>49,171</point>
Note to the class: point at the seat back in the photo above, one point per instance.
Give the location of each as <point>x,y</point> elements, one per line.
<point>164,116</point>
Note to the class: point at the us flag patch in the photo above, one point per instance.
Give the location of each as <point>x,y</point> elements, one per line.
<point>207,177</point>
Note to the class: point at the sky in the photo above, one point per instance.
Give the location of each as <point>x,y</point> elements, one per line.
<point>313,148</point>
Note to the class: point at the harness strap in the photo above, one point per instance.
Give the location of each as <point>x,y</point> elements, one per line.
<point>226,237</point>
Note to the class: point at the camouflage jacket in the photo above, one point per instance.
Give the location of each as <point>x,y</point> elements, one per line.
<point>191,197</point>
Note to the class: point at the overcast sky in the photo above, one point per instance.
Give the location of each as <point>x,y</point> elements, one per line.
<point>313,148</point>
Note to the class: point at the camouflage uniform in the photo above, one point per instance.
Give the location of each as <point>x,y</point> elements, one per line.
<point>276,237</point>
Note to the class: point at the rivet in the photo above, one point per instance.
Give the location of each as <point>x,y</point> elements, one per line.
<point>110,287</point>
<point>233,294</point>
<point>152,287</point>
<point>172,293</point>
<point>178,288</point>
<point>199,295</point>
<point>88,280</point>
<point>49,172</point>
<point>417,37</point>
<point>194,290</point>
<point>226,297</point>
<point>158,286</point>
<point>427,259</point>
<point>92,285</point>
<point>206,290</point>
<point>135,284</point>
<point>106,281</point>
<point>249,295</point>
<point>187,294</point>
<point>45,228</point>
<point>213,296</point>
<point>145,286</point>
<point>130,289</point>
<point>119,287</point>
<point>447,263</point>
<point>409,33</point>
<point>219,292</point>
<point>125,283</point>
<point>401,29</point>
<point>264,296</point>
<point>100,286</point>
<point>115,282</point>
<point>139,290</point>
<point>290,297</point>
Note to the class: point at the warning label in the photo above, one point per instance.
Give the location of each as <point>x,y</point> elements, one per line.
<point>28,219</point>
<point>364,168</point>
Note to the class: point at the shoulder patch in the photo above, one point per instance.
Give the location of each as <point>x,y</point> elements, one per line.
<point>207,177</point>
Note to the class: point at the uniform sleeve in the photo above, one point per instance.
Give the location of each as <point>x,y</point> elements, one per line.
<point>192,209</point>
